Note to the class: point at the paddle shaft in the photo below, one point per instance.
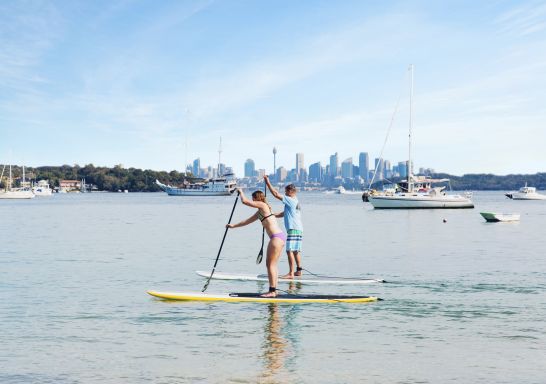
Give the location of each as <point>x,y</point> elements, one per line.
<point>261,253</point>
<point>221,245</point>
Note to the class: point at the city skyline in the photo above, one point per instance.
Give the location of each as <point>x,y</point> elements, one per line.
<point>153,85</point>
<point>316,171</point>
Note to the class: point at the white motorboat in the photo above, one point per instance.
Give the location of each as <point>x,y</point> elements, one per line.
<point>416,192</point>
<point>496,217</point>
<point>342,191</point>
<point>42,189</point>
<point>526,193</point>
<point>222,186</point>
<point>14,193</point>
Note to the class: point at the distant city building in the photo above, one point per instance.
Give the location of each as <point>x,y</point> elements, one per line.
<point>403,168</point>
<point>300,166</point>
<point>281,174</point>
<point>334,164</point>
<point>196,169</point>
<point>260,173</point>
<point>356,171</point>
<point>363,165</point>
<point>221,169</point>
<point>347,168</point>
<point>387,172</point>
<point>426,171</point>
<point>291,176</point>
<point>379,169</point>
<point>249,168</point>
<point>395,171</point>
<point>315,173</point>
<point>303,176</point>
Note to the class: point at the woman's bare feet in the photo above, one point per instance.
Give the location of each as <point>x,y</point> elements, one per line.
<point>269,294</point>
<point>298,272</point>
<point>287,276</point>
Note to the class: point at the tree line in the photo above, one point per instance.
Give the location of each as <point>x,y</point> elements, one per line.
<point>103,178</point>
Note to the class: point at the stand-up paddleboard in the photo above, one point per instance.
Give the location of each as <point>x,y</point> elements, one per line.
<point>256,298</point>
<point>305,279</point>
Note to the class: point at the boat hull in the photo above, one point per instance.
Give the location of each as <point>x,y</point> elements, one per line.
<point>197,192</point>
<point>516,196</point>
<point>209,189</point>
<point>420,202</point>
<point>497,217</point>
<point>16,195</point>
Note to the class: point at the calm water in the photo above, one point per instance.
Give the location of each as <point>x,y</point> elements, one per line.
<point>465,301</point>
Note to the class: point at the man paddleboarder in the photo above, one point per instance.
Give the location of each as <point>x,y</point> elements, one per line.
<point>293,225</point>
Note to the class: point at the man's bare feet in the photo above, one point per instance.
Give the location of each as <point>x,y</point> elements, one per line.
<point>287,276</point>
<point>269,294</point>
<point>298,272</point>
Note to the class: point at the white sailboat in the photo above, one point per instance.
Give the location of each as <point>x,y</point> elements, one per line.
<point>14,193</point>
<point>411,194</point>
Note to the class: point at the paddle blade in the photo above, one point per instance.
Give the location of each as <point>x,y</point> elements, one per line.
<point>260,256</point>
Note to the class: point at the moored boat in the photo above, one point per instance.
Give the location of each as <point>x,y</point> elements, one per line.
<point>14,193</point>
<point>416,192</point>
<point>221,186</point>
<point>42,188</point>
<point>496,217</point>
<point>526,193</point>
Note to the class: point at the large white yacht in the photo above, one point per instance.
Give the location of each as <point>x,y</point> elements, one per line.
<point>415,192</point>
<point>526,193</point>
<point>42,188</point>
<point>220,186</point>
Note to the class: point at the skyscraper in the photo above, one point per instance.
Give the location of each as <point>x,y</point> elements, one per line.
<point>334,165</point>
<point>281,174</point>
<point>249,168</point>
<point>315,172</point>
<point>379,167</point>
<point>347,168</point>
<point>196,167</point>
<point>299,166</point>
<point>403,168</point>
<point>363,165</point>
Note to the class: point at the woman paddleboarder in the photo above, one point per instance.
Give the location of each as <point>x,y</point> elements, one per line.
<point>277,238</point>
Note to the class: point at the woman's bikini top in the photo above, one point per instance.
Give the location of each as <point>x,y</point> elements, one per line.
<point>262,218</point>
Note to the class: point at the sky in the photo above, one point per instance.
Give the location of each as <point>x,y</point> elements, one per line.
<point>156,84</point>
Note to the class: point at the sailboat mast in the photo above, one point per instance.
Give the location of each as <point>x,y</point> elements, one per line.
<point>219,156</point>
<point>410,176</point>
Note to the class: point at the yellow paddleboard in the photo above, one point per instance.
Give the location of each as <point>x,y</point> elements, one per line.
<point>256,298</point>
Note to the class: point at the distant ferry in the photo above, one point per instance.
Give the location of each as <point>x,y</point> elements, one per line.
<point>221,186</point>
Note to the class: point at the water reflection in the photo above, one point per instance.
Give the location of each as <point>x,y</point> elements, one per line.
<point>277,349</point>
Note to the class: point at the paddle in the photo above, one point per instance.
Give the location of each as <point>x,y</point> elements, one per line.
<point>221,245</point>
<point>261,253</point>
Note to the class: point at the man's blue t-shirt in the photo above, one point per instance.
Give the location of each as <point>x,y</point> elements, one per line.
<point>292,213</point>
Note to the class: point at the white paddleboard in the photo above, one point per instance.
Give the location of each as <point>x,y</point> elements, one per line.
<point>305,279</point>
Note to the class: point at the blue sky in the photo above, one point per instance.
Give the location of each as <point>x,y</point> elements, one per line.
<point>149,84</point>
